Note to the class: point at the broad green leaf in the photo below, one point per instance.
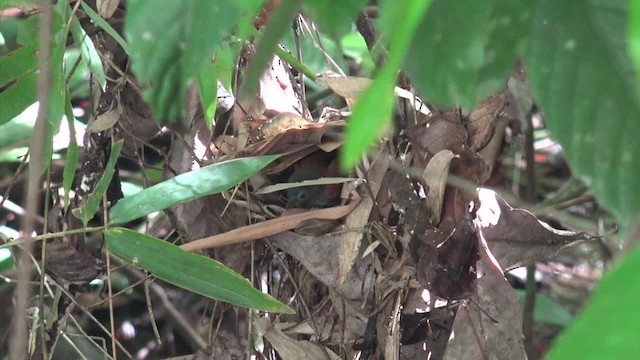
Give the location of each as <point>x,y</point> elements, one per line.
<point>98,20</point>
<point>279,22</point>
<point>208,180</point>
<point>171,40</point>
<point>374,107</point>
<point>193,272</point>
<point>582,77</point>
<point>90,205</point>
<point>88,52</point>
<point>608,326</point>
<point>335,18</point>
<point>634,34</point>
<point>208,91</point>
<point>464,50</point>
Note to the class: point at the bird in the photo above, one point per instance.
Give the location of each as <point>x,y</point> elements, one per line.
<point>315,166</point>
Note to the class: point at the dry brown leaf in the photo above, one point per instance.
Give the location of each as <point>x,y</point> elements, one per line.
<point>269,227</point>
<point>359,217</point>
<point>482,120</point>
<point>106,120</point>
<point>106,8</point>
<point>435,176</point>
<point>349,87</point>
<point>280,123</point>
<point>443,131</point>
<point>490,327</point>
<point>290,349</point>
<point>515,236</point>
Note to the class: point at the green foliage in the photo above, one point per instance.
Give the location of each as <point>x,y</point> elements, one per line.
<point>464,50</point>
<point>374,107</point>
<point>188,186</point>
<point>581,75</point>
<point>208,90</point>
<point>193,272</point>
<point>334,17</point>
<point>170,41</point>
<point>279,22</point>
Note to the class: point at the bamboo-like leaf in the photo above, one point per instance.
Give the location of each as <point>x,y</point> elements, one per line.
<point>189,186</point>
<point>193,272</point>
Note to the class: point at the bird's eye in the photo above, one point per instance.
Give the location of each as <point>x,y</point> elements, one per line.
<point>302,195</point>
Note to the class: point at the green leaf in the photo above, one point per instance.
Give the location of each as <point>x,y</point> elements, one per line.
<point>374,107</point>
<point>464,50</point>
<point>208,91</point>
<point>18,63</point>
<point>335,18</point>
<point>208,180</point>
<point>98,20</point>
<point>279,21</point>
<point>91,203</point>
<point>634,34</point>
<point>18,97</point>
<point>71,162</point>
<point>171,49</point>
<point>608,326</point>
<point>88,52</point>
<point>193,272</point>
<point>582,77</point>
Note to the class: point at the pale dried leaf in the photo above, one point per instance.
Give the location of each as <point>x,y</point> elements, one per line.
<point>106,8</point>
<point>105,120</point>
<point>350,87</point>
<point>290,349</point>
<point>280,123</point>
<point>392,344</point>
<point>359,217</point>
<point>435,175</point>
<point>482,120</point>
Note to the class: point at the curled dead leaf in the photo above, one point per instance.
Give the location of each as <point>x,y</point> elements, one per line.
<point>515,236</point>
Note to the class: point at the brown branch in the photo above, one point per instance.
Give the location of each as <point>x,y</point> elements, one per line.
<point>32,191</point>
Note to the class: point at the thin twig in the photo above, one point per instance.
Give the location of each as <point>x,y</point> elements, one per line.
<point>530,287</point>
<point>32,191</point>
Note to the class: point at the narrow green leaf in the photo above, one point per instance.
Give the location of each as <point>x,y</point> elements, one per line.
<point>18,97</point>
<point>169,51</point>
<point>98,20</point>
<point>91,203</point>
<point>295,63</point>
<point>373,110</point>
<point>71,162</point>
<point>208,180</point>
<point>88,52</point>
<point>279,21</point>
<point>18,63</point>
<point>208,90</point>
<point>193,272</point>
<point>583,79</point>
